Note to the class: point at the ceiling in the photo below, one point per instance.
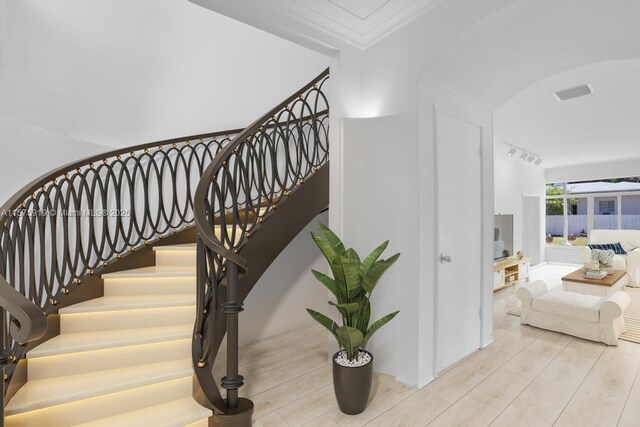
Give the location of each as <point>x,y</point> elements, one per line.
<point>598,127</point>
<point>526,41</point>
<point>358,23</point>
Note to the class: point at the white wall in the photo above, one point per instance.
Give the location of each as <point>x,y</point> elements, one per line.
<point>380,189</point>
<point>125,72</point>
<point>277,302</point>
<point>29,152</point>
<point>513,178</point>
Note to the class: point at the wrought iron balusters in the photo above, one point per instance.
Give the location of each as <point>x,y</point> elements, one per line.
<point>240,190</point>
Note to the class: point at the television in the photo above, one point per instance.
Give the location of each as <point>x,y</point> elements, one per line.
<point>502,236</point>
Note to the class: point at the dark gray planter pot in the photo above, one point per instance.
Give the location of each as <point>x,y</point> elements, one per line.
<point>352,386</point>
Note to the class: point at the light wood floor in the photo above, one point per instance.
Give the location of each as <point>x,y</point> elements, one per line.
<point>527,377</point>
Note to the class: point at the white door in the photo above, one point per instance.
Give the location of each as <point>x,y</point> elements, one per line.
<point>531,228</point>
<point>459,275</point>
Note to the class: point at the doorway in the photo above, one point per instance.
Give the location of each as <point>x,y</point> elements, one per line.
<point>531,227</point>
<point>459,236</point>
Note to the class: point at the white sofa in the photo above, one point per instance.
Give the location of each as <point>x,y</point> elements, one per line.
<point>630,242</point>
<point>584,316</point>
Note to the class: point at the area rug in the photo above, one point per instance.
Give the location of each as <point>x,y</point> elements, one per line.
<point>631,316</point>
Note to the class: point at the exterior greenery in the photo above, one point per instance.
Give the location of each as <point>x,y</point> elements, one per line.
<point>352,284</point>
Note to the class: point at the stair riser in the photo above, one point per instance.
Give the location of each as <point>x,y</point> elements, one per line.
<point>40,368</point>
<point>107,405</point>
<point>166,258</point>
<point>126,319</point>
<point>150,286</point>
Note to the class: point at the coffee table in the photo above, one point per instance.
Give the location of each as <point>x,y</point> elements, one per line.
<point>576,282</point>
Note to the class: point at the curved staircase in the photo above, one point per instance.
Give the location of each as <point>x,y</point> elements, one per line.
<point>117,317</point>
<point>122,359</point>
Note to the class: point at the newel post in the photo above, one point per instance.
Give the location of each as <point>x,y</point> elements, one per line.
<point>239,411</point>
<point>232,307</point>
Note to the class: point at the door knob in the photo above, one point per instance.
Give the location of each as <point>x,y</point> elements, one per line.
<point>445,258</point>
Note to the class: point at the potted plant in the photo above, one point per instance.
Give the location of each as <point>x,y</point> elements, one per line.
<point>352,283</point>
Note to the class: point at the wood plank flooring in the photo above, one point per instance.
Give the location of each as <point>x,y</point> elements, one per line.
<point>527,377</point>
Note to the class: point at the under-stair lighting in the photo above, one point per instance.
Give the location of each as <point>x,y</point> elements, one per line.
<point>512,152</point>
<point>524,155</point>
<point>531,158</point>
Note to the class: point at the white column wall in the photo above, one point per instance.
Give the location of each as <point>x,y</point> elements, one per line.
<point>382,187</point>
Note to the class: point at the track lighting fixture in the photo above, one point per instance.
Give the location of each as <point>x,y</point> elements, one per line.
<point>525,155</point>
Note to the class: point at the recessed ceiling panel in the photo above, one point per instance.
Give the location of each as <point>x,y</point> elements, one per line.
<point>360,22</point>
<point>360,8</point>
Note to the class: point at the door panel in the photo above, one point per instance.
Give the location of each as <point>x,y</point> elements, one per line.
<point>459,284</point>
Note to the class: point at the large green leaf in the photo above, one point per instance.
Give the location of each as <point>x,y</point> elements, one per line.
<point>349,339</point>
<point>375,326</point>
<point>348,281</point>
<point>370,280</point>
<point>327,250</point>
<point>348,308</point>
<point>364,314</point>
<point>326,281</point>
<point>351,253</point>
<point>331,237</point>
<point>371,258</point>
<point>324,321</point>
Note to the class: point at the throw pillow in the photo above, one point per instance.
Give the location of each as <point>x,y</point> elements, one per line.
<point>604,257</point>
<point>615,247</point>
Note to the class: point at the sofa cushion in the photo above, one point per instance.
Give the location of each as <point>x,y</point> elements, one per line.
<point>629,239</point>
<point>615,247</point>
<point>569,304</point>
<point>620,262</point>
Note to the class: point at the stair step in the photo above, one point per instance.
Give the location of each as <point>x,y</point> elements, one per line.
<point>154,317</point>
<point>151,281</point>
<point>176,255</point>
<point>152,272</point>
<point>74,363</point>
<point>56,391</point>
<point>130,302</point>
<point>103,406</point>
<point>70,343</point>
<point>171,414</point>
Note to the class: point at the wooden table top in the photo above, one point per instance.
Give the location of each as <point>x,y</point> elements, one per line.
<point>578,277</point>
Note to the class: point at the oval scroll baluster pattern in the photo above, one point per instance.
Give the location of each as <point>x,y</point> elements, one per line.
<point>244,185</point>
<point>80,218</point>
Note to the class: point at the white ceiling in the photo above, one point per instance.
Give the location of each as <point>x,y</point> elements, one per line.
<point>598,127</point>
<point>358,23</point>
<point>529,40</point>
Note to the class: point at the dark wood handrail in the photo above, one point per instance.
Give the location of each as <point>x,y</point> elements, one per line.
<point>199,214</point>
<point>28,319</point>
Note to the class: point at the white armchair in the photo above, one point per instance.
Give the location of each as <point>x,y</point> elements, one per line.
<point>630,242</point>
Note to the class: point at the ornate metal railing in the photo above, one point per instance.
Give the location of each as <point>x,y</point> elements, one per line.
<point>238,192</point>
<point>78,219</point>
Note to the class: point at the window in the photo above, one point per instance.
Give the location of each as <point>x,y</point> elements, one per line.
<point>576,208</point>
<point>630,212</point>
<point>606,207</point>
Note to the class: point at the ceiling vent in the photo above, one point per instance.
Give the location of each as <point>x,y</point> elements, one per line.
<point>573,92</point>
